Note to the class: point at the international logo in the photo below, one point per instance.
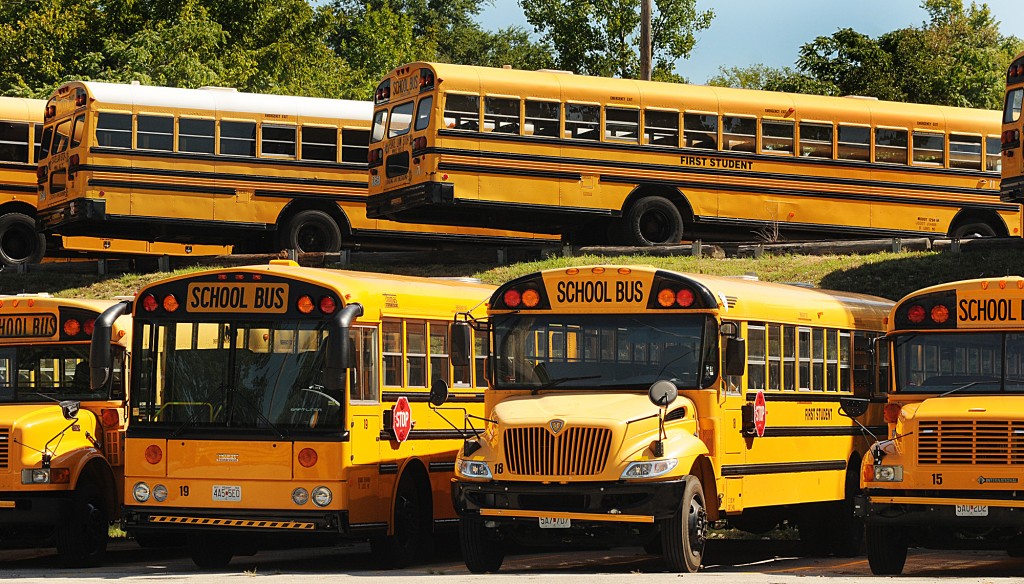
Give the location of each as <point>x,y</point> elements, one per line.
<point>556,426</point>
<point>1008,480</point>
<point>227,458</point>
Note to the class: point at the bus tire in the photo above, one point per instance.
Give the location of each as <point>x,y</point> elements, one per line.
<point>412,527</point>
<point>683,535</point>
<point>481,554</point>
<point>887,550</point>
<point>652,221</point>
<point>82,537</point>
<point>312,231</point>
<point>971,230</point>
<point>210,553</point>
<point>20,243</point>
<point>846,536</point>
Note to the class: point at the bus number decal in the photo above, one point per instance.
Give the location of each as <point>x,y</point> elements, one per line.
<point>238,297</point>
<point>28,325</point>
<point>183,490</point>
<point>589,291</point>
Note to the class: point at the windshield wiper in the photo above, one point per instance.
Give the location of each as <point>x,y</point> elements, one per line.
<point>965,386</point>
<point>188,422</point>
<point>259,413</point>
<point>559,381</point>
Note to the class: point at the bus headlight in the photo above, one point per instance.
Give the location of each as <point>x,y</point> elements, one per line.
<point>35,476</point>
<point>141,492</point>
<point>322,496</point>
<point>889,473</point>
<point>649,468</point>
<point>300,496</point>
<point>474,470</point>
<point>160,493</point>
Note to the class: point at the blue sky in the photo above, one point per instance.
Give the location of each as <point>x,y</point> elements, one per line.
<point>744,32</point>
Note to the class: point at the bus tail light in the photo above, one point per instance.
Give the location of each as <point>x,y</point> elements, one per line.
<point>72,327</point>
<point>915,314</point>
<point>149,303</point>
<point>328,305</point>
<point>74,163</point>
<point>80,98</point>
<point>154,454</point>
<point>892,412</point>
<point>426,79</point>
<point>307,457</point>
<point>383,93</point>
<point>512,298</point>
<point>41,173</point>
<point>109,418</point>
<point>170,303</point>
<point>304,304</point>
<point>375,157</point>
<point>419,144</point>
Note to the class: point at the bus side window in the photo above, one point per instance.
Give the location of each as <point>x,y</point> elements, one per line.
<point>237,138</point>
<point>354,145</point>
<point>322,144</point>
<point>277,141</point>
<point>582,121</point>
<point>964,151</point>
<point>392,353</point>
<point>423,110</point>
<point>501,115</point>
<point>661,128</point>
<point>929,148</point>
<point>78,130</point>
<point>462,112</point>
<point>622,125</point>
<point>890,145</point>
<point>739,134</point>
<point>38,141</point>
<point>756,356</point>
<point>815,140</point>
<point>196,135</point>
<point>481,347</point>
<point>112,131</point>
<point>854,143</point>
<point>700,131</point>
<point>13,142</point>
<point>777,136</point>
<point>363,378</point>
<point>155,133</point>
<point>439,352</point>
<point>542,118</point>
<point>993,155</point>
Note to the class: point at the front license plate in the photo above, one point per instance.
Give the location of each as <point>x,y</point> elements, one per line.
<point>972,510</point>
<point>227,493</point>
<point>555,523</point>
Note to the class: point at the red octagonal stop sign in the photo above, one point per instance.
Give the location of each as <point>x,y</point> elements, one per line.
<point>401,419</point>
<point>760,413</point>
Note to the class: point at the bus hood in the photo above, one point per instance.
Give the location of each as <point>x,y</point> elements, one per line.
<point>577,406</point>
<point>967,408</point>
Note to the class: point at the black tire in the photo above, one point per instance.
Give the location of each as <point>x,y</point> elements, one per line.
<point>972,230</point>
<point>481,554</point>
<point>82,536</point>
<point>311,231</point>
<point>813,526</point>
<point>412,528</point>
<point>209,552</point>
<point>683,535</point>
<point>887,550</point>
<point>652,221</point>
<point>20,243</point>
<point>846,536</point>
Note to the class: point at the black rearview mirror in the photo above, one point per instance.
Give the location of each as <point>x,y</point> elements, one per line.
<point>853,407</point>
<point>69,408</point>
<point>438,392</point>
<point>662,393</point>
<point>461,340</point>
<point>735,356</point>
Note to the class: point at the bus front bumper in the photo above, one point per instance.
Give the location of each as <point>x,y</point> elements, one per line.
<point>587,503</point>
<point>413,202</point>
<point>65,218</point>
<point>32,509</point>
<point>143,519</point>
<point>902,510</point>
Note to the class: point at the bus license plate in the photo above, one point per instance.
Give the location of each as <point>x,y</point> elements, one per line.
<point>555,523</point>
<point>227,493</point>
<point>972,510</point>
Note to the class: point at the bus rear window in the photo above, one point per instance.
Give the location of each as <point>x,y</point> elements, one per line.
<point>423,112</point>
<point>582,121</point>
<point>965,151</point>
<point>380,121</point>
<point>462,112</point>
<point>401,120</point>
<point>61,137</point>
<point>1013,105</point>
<point>44,143</point>
<point>542,118</point>
<point>112,131</point>
<point>13,142</point>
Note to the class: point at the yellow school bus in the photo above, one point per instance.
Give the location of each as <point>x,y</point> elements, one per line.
<point>280,402</point>
<point>642,162</point>
<point>216,166</point>
<point>745,379</point>
<point>1012,187</point>
<point>947,472</point>
<point>61,442</point>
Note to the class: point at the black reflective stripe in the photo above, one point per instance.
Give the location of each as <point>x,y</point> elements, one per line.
<point>428,435</point>
<point>387,468</point>
<point>17,188</point>
<point>819,431</point>
<point>738,470</point>
<point>797,397</point>
<point>442,466</point>
<point>392,396</point>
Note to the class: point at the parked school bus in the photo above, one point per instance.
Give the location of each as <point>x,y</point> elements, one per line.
<point>216,166</point>
<point>279,402</point>
<point>947,472</point>
<point>642,162</point>
<point>61,442</point>
<point>1012,186</point>
<point>745,379</point>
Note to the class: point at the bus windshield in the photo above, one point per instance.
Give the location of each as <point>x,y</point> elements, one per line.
<point>44,373</point>
<point>243,375</point>
<point>961,363</point>
<point>623,351</point>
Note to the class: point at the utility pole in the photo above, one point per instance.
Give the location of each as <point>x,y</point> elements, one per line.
<point>645,39</point>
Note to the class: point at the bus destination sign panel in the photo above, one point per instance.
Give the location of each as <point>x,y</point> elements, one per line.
<point>26,326</point>
<point>983,308</point>
<point>247,297</point>
<point>586,292</point>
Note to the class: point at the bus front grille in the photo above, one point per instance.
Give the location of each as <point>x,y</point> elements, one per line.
<point>5,446</point>
<point>535,451</point>
<point>970,442</point>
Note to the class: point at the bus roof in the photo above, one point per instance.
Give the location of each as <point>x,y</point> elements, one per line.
<point>21,109</point>
<point>221,99</point>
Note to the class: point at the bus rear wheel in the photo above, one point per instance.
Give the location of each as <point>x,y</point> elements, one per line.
<point>971,230</point>
<point>887,550</point>
<point>311,231</point>
<point>683,535</point>
<point>82,537</point>
<point>653,221</point>
<point>19,241</point>
<point>210,553</point>
<point>480,553</point>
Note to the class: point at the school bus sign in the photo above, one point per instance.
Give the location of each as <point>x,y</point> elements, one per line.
<point>984,309</point>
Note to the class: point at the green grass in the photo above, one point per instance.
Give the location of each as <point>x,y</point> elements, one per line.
<point>884,274</point>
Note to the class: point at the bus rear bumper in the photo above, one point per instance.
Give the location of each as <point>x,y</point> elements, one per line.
<point>412,202</point>
<point>939,511</point>
<point>65,218</point>
<point>138,519</point>
<point>1011,190</point>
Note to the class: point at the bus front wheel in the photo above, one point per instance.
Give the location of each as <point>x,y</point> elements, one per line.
<point>19,241</point>
<point>683,535</point>
<point>652,221</point>
<point>480,553</point>
<point>311,231</point>
<point>411,533</point>
<point>82,537</point>
<point>887,550</point>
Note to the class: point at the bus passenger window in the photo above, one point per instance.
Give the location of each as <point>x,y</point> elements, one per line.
<point>804,355</point>
<point>416,353</point>
<point>481,345</point>
<point>815,140</point>
<point>439,352</point>
<point>363,377</point>
<point>401,120</point>
<point>890,145</point>
<point>78,130</point>
<point>155,133</point>
<point>832,359</point>
<point>354,145</point>
<point>854,143</point>
<point>739,134</point>
<point>777,136</point>
<point>789,357</point>
<point>929,148</point>
<point>322,144</point>
<point>501,115</point>
<point>622,125</point>
<point>542,118</point>
<point>774,356</point>
<point>195,135</point>
<point>392,354</point>
<point>13,142</point>
<point>462,112</point>
<point>845,350</point>
<point>700,131</point>
<point>755,356</point>
<point>993,158</point>
<point>238,138</point>
<point>964,151</point>
<point>278,141</point>
<point>661,128</point>
<point>582,121</point>
<point>423,108</point>
<point>112,131</point>
<point>38,141</point>
<point>818,356</point>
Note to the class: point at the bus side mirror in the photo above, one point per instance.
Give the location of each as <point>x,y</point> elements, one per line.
<point>438,392</point>
<point>662,393</point>
<point>735,356</point>
<point>341,354</point>
<point>69,408</point>
<point>853,407</point>
<point>461,341</point>
<point>101,357</point>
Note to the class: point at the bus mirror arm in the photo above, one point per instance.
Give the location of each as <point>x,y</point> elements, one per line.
<point>853,408</point>
<point>100,356</point>
<point>438,396</point>
<point>339,351</point>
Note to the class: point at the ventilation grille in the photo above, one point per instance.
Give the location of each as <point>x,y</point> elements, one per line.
<point>572,452</point>
<point>970,442</point>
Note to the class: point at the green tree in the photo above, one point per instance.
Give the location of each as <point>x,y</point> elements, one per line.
<point>760,76</point>
<point>599,37</point>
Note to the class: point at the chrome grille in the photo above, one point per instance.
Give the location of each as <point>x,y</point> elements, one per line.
<point>5,447</point>
<point>574,451</point>
<point>970,442</point>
